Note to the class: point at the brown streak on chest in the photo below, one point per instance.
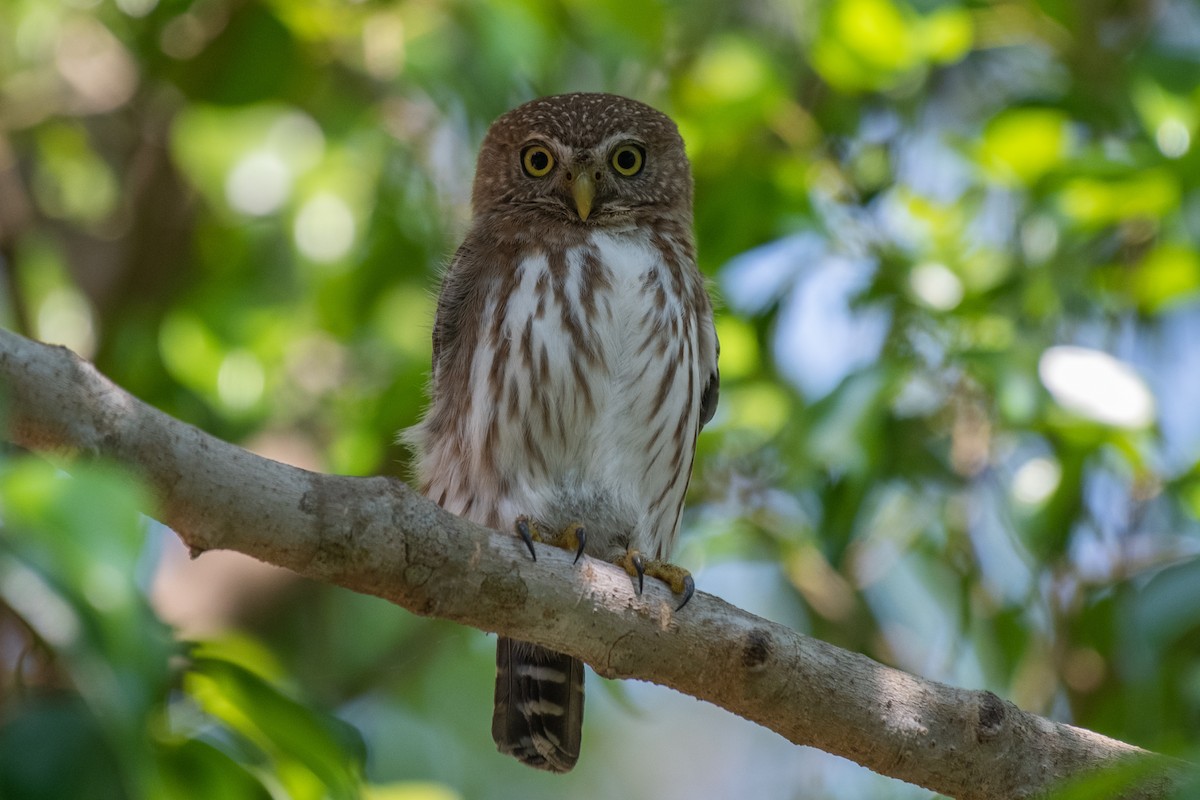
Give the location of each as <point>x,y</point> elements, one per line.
<point>527,345</point>
<point>532,446</point>
<point>541,288</point>
<point>670,368</point>
<point>580,342</point>
<point>543,367</point>
<point>583,386</point>
<point>514,398</point>
<point>595,280</point>
<point>667,244</point>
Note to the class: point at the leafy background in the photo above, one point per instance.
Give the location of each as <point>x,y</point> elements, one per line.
<point>957,249</point>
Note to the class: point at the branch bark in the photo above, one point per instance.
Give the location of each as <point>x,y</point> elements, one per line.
<point>378,536</point>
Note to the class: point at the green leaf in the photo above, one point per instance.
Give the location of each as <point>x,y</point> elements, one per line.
<point>1146,195</point>
<point>1022,145</point>
<point>69,553</point>
<point>410,790</point>
<point>53,748</point>
<point>194,768</point>
<point>1168,276</point>
<point>313,753</point>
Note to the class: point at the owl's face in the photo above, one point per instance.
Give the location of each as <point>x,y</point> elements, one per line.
<point>583,159</point>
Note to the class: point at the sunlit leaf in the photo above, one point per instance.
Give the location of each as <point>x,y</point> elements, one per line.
<point>1023,145</point>
<point>309,750</point>
<point>732,71</point>
<point>355,450</point>
<point>1167,276</point>
<point>739,348</point>
<point>1148,194</point>
<point>729,90</point>
<point>864,44</point>
<point>409,791</point>
<point>947,34</point>
<point>72,181</point>
<point>193,768</point>
<point>245,652</point>
<point>1170,119</point>
<point>405,317</point>
<point>875,30</point>
<point>1190,495</point>
<point>762,407</point>
<point>191,351</point>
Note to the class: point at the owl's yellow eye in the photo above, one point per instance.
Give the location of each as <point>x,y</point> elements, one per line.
<point>627,159</point>
<point>537,160</point>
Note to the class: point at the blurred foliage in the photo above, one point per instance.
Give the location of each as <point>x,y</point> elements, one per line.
<point>958,250</point>
<point>101,697</point>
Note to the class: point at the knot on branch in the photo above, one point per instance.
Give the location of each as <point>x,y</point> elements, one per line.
<point>991,711</point>
<point>757,649</point>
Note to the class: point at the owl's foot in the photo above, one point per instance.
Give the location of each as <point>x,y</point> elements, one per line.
<point>676,577</point>
<point>572,537</point>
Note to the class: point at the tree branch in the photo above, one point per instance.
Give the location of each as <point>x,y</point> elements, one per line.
<point>378,536</point>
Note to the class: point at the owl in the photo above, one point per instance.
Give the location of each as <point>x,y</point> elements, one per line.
<point>574,364</point>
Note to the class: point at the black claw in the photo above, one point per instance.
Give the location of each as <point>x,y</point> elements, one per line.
<point>689,589</point>
<point>638,565</point>
<point>581,535</point>
<point>526,536</point>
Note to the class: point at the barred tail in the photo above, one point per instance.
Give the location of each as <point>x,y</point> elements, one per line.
<point>538,718</point>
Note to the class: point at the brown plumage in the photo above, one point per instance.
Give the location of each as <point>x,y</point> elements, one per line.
<point>574,363</point>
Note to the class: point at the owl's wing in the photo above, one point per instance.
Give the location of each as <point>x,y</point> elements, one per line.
<point>712,387</point>
<point>455,301</point>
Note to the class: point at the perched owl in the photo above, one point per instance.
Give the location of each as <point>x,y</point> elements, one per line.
<point>574,363</point>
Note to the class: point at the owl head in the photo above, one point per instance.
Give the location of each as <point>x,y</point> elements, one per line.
<point>583,160</point>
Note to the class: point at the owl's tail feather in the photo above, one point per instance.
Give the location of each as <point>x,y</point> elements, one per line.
<point>538,717</point>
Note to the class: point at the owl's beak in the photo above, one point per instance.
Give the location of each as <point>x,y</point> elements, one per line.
<point>583,189</point>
